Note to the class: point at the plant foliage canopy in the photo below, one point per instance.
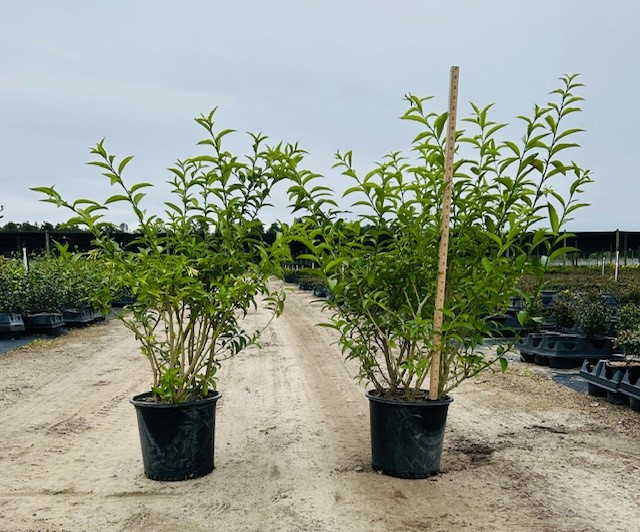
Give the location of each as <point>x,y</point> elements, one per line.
<point>511,199</point>
<point>196,273</point>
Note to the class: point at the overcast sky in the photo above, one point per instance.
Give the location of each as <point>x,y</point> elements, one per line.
<point>330,74</point>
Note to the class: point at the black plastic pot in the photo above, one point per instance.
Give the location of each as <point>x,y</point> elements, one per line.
<point>528,345</point>
<point>407,437</point>
<point>11,325</point>
<point>541,360</point>
<point>77,317</point>
<point>50,323</point>
<point>505,325</point>
<point>604,380</point>
<point>177,440</point>
<point>630,387</point>
<point>548,299</point>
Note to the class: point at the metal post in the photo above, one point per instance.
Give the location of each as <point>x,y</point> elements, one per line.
<point>615,275</point>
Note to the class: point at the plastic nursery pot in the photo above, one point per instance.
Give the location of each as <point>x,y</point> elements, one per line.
<point>177,440</point>
<point>49,323</point>
<point>77,317</point>
<point>11,325</point>
<point>407,437</point>
<point>630,386</point>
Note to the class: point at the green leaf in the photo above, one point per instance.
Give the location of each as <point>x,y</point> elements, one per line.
<point>513,146</point>
<point>124,163</point>
<point>115,198</point>
<point>439,123</point>
<point>523,317</point>
<point>559,147</point>
<point>568,132</point>
<point>538,165</point>
<point>174,207</point>
<point>138,186</point>
<point>557,253</point>
<point>553,219</point>
<point>551,121</point>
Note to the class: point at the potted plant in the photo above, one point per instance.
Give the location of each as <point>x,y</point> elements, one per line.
<point>193,276</point>
<point>43,297</point>
<point>81,277</point>
<point>12,291</point>
<point>380,261</point>
<point>627,328</point>
<point>593,315</point>
<point>604,376</point>
<point>564,311</point>
<point>628,339</point>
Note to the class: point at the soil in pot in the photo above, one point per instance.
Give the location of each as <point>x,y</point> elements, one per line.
<point>407,437</point>
<point>177,440</point>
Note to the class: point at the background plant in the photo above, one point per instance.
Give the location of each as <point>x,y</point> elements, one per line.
<point>195,274</point>
<point>593,315</point>
<point>13,285</point>
<point>629,316</point>
<point>629,340</point>
<point>381,264</point>
<point>45,287</point>
<point>81,276</point>
<point>628,330</point>
<point>564,310</point>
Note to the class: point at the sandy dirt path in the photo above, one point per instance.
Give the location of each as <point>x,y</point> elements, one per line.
<point>292,446</point>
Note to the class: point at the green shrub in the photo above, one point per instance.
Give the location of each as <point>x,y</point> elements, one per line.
<point>13,285</point>
<point>45,287</point>
<point>629,340</point>
<point>629,317</point>
<point>593,315</point>
<point>564,310</point>
<point>381,264</point>
<point>196,273</point>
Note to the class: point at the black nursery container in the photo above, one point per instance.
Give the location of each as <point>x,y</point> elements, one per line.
<point>11,325</point>
<point>630,386</point>
<point>177,440</point>
<point>604,380</point>
<point>407,437</point>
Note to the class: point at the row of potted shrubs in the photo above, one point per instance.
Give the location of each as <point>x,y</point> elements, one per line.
<point>597,315</point>
<point>587,328</point>
<point>47,293</point>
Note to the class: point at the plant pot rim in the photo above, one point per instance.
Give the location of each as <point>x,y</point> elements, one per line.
<point>372,396</point>
<point>139,402</point>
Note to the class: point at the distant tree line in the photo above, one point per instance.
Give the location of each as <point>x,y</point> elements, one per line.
<point>27,227</point>
<point>40,237</point>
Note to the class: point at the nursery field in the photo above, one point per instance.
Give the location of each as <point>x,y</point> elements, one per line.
<point>292,445</point>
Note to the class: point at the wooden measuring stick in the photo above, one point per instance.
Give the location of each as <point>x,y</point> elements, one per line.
<point>443,251</point>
